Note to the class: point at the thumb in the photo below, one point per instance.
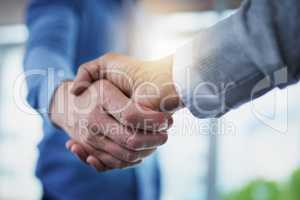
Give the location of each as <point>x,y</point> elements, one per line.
<point>86,75</point>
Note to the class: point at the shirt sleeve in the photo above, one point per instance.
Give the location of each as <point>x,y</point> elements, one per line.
<point>240,58</point>
<point>53,27</point>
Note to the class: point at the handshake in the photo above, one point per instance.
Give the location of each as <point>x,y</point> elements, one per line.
<point>117,110</point>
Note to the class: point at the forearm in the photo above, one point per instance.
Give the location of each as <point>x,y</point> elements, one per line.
<point>49,53</point>
<point>223,67</point>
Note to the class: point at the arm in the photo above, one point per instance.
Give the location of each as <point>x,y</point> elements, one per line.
<point>50,49</point>
<point>53,27</point>
<point>242,57</point>
<point>220,69</point>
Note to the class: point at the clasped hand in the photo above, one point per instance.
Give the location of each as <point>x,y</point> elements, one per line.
<point>117,110</point>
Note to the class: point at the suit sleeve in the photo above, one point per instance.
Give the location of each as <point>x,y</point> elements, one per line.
<point>240,58</point>
<point>53,28</point>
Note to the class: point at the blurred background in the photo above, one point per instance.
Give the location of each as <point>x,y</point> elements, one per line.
<point>251,153</point>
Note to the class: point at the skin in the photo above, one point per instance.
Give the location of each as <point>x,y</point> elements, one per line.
<point>106,127</point>
<point>148,84</point>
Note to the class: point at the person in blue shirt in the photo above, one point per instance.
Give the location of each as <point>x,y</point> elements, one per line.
<point>63,34</point>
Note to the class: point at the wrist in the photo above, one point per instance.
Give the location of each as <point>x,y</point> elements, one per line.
<point>170,94</point>
<point>59,103</point>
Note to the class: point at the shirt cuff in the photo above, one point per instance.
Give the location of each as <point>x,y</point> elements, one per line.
<point>208,67</point>
<point>195,93</point>
<point>47,71</point>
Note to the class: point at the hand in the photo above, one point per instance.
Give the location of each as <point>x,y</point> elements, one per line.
<point>147,83</point>
<point>92,119</point>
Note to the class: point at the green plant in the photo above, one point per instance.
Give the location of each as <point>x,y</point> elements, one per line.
<point>256,190</point>
<point>268,190</point>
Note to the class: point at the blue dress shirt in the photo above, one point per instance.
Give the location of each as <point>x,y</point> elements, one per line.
<point>62,35</point>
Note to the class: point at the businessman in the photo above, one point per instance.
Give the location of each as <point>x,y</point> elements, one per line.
<point>63,34</point>
<point>240,58</point>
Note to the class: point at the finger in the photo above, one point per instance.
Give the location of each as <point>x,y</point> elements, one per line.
<point>101,125</point>
<point>94,70</point>
<point>118,151</point>
<point>92,161</point>
<point>86,75</point>
<point>69,143</point>
<point>109,161</point>
<point>129,113</point>
<point>76,148</point>
<point>113,163</point>
<point>79,151</point>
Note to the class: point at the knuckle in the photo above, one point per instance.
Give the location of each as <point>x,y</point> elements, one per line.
<point>89,68</point>
<point>84,67</point>
<point>93,127</point>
